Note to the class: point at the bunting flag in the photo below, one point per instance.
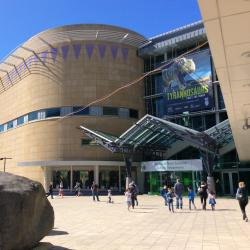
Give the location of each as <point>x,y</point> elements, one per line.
<point>65,50</point>
<point>102,49</point>
<point>89,48</point>
<point>53,53</point>
<point>44,55</point>
<point>114,50</point>
<point>77,50</point>
<point>125,53</point>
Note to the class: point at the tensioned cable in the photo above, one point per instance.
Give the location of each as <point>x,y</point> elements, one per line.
<point>130,83</point>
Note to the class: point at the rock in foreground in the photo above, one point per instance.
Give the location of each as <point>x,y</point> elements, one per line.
<point>26,215</point>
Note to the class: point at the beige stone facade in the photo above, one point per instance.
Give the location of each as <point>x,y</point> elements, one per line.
<point>63,68</point>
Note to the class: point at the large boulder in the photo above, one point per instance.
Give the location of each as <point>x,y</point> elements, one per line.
<point>26,215</point>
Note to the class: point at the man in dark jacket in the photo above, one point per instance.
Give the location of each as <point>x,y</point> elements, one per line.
<point>242,197</point>
<point>178,190</point>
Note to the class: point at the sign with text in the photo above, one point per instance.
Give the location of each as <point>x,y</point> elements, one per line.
<point>172,165</point>
<point>186,84</point>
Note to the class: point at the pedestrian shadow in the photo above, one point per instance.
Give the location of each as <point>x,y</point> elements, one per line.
<point>49,246</point>
<point>57,232</point>
<point>146,208</point>
<point>142,212</point>
<point>224,209</point>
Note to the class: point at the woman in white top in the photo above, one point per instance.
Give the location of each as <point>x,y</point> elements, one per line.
<point>128,198</point>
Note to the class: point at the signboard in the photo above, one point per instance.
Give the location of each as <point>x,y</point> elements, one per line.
<point>186,84</point>
<point>172,165</point>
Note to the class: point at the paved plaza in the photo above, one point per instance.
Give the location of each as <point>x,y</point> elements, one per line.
<point>81,223</point>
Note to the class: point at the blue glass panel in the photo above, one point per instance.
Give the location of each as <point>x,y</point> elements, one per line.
<point>77,49</point>
<point>33,116</point>
<point>54,112</point>
<point>82,112</point>
<point>20,120</point>
<point>1,128</point>
<point>10,125</point>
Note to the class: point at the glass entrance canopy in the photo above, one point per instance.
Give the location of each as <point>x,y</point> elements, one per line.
<point>155,134</point>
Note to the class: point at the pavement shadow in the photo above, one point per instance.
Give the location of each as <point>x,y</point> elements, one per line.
<point>141,212</point>
<point>57,232</point>
<point>225,209</point>
<point>146,208</point>
<point>49,246</point>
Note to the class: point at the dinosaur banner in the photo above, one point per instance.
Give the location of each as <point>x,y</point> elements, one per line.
<point>186,84</point>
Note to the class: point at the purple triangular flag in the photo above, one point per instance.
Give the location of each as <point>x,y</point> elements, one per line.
<point>125,53</point>
<point>65,50</point>
<point>77,49</point>
<point>44,55</point>
<point>53,53</point>
<point>102,49</point>
<point>114,50</point>
<point>89,48</point>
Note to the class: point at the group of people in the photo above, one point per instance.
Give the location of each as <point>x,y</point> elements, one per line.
<point>170,193</point>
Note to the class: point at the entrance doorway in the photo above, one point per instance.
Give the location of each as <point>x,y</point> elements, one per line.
<point>230,182</point>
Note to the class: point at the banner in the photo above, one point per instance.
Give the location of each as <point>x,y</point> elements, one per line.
<point>172,165</point>
<point>186,84</point>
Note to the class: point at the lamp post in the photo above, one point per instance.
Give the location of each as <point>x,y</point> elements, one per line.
<point>4,164</point>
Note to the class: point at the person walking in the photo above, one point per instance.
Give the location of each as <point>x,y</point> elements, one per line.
<point>178,190</point>
<point>50,193</point>
<point>191,196</point>
<point>133,191</point>
<point>203,194</point>
<point>242,197</point>
<point>77,189</point>
<point>94,189</point>
<point>128,198</point>
<point>211,199</point>
<point>110,196</point>
<point>164,194</point>
<point>170,199</point>
<point>61,189</point>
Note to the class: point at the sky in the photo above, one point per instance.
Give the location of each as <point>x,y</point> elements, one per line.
<point>22,19</point>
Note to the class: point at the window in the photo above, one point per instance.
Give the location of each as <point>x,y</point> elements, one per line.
<point>85,111</point>
<point>133,113</point>
<point>10,125</point>
<point>20,120</point>
<point>1,128</point>
<point>54,112</point>
<point>32,116</point>
<point>88,142</point>
<point>110,111</point>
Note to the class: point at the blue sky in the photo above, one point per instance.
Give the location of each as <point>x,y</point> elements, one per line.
<point>21,19</point>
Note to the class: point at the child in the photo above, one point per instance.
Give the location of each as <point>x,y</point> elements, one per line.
<point>191,195</point>
<point>211,199</point>
<point>77,189</point>
<point>170,200</point>
<point>61,189</point>
<point>109,196</point>
<point>128,198</point>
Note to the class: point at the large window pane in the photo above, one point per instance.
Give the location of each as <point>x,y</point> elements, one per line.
<point>32,116</point>
<point>20,120</point>
<point>54,112</point>
<point>133,113</point>
<point>84,111</point>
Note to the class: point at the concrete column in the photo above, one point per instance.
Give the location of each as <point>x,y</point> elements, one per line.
<point>120,184</point>
<point>71,178</point>
<point>46,179</point>
<point>96,174</point>
<point>140,179</point>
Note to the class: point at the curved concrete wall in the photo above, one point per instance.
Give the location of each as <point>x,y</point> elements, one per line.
<point>68,73</point>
